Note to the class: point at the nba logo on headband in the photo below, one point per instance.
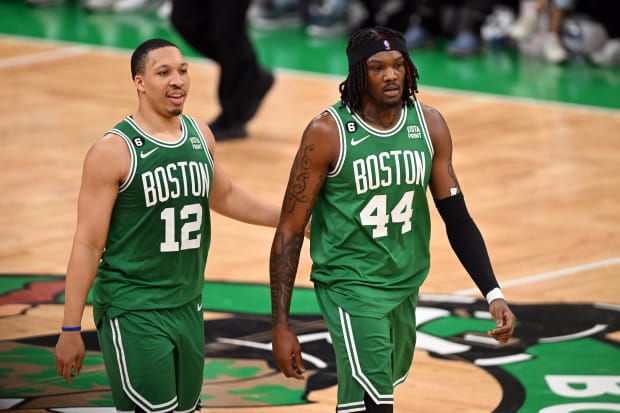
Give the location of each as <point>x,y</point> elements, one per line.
<point>362,52</point>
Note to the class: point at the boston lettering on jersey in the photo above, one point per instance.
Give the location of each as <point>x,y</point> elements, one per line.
<point>385,169</point>
<point>175,180</point>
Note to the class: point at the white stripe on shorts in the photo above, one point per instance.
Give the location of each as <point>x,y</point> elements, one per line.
<point>356,369</point>
<point>135,397</point>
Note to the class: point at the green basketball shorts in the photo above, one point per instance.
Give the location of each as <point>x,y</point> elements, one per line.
<point>155,359</point>
<point>373,355</point>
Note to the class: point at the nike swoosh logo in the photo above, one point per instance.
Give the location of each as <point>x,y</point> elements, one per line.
<point>355,142</point>
<point>199,307</point>
<point>145,154</point>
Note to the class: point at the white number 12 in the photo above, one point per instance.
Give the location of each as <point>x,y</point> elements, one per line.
<point>189,227</point>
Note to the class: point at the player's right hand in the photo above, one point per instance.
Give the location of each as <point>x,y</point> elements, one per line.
<point>287,352</point>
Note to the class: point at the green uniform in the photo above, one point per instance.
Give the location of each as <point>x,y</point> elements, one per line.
<point>370,250</point>
<point>153,268</point>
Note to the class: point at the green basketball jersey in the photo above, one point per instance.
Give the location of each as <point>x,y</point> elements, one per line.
<point>160,229</point>
<point>370,227</point>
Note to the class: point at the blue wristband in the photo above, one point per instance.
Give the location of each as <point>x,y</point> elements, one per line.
<point>76,328</point>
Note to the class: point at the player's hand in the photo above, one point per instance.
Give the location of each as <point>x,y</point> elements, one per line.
<point>287,352</point>
<point>505,320</point>
<point>69,354</point>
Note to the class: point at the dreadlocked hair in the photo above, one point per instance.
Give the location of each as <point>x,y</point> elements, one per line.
<point>353,87</point>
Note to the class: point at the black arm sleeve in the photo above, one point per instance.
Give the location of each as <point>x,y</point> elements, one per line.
<point>466,241</point>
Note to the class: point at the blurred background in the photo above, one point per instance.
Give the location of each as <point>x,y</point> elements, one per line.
<point>506,48</point>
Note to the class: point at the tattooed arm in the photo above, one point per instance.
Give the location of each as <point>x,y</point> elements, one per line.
<point>316,154</point>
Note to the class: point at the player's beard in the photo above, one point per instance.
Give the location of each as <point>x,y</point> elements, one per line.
<point>392,104</point>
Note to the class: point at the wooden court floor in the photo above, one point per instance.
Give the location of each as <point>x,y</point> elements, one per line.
<point>541,180</point>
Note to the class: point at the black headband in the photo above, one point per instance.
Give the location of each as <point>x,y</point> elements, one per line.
<point>375,46</point>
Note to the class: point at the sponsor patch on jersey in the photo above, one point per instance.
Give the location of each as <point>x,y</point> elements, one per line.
<point>414,132</point>
<point>196,143</point>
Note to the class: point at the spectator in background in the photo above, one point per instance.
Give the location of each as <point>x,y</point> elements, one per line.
<point>528,22</point>
<point>277,14</point>
<point>606,12</point>
<point>218,30</point>
<point>161,6</point>
<point>460,19</point>
<point>326,18</point>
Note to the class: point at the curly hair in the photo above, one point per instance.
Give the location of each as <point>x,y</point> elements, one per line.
<point>353,87</point>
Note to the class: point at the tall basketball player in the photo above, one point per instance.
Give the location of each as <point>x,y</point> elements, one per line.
<point>362,172</point>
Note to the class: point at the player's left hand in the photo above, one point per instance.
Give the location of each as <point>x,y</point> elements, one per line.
<point>505,320</point>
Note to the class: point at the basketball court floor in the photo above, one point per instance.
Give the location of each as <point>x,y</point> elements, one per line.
<point>536,151</point>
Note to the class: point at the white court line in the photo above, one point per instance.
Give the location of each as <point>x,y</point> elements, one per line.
<point>551,274</point>
<point>43,56</point>
<point>590,332</point>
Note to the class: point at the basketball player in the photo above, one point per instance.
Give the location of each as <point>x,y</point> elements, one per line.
<point>361,172</point>
<point>142,238</point>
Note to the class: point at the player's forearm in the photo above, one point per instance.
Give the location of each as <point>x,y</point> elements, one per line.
<point>283,264</point>
<point>242,205</point>
<point>81,273</point>
<point>467,242</point>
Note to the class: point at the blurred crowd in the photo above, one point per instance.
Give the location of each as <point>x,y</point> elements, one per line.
<point>556,31</point>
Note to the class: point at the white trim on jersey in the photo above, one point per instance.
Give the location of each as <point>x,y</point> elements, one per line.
<point>427,136</point>
<point>343,143</point>
<point>383,133</point>
<point>202,139</point>
<point>133,160</point>
<point>156,141</point>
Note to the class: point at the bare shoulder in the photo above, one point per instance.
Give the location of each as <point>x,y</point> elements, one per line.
<point>109,157</point>
<point>110,145</point>
<point>437,126</point>
<point>323,125</point>
<point>322,139</point>
<point>432,115</point>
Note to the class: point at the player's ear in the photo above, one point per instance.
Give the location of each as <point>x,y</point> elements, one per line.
<point>139,82</point>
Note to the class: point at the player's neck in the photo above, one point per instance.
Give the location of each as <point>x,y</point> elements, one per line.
<point>165,128</point>
<point>380,117</point>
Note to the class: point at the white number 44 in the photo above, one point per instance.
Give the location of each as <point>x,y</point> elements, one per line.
<point>375,214</point>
